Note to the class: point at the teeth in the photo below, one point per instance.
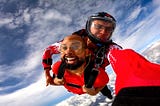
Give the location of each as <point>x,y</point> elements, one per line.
<point>69,59</point>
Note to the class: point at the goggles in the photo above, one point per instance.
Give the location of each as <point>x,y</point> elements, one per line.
<point>75,46</point>
<point>101,27</point>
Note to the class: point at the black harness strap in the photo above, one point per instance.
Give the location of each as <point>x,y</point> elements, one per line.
<point>73,85</point>
<point>61,70</point>
<point>90,74</point>
<point>91,78</point>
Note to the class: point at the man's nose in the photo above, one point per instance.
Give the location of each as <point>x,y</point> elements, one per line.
<point>104,30</point>
<point>69,51</point>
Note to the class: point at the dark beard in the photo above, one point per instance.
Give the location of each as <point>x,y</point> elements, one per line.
<point>74,66</point>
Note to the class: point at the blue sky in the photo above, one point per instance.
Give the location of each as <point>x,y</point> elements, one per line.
<point>27,27</point>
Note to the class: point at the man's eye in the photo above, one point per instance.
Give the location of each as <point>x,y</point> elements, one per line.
<point>64,48</point>
<point>98,26</point>
<point>75,47</point>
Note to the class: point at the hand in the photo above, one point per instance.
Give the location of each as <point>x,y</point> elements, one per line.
<point>90,91</point>
<point>49,80</point>
<point>58,81</point>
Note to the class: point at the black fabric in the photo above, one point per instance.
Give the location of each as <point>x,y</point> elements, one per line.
<point>138,96</point>
<point>106,92</point>
<point>91,78</point>
<point>87,73</point>
<point>61,70</point>
<point>47,68</point>
<point>47,61</point>
<point>73,85</point>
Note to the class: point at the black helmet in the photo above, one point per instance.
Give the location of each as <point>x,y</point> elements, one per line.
<point>99,16</point>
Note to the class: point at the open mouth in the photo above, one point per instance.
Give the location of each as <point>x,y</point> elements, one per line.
<point>71,60</point>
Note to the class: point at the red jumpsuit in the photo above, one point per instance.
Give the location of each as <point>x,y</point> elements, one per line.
<point>133,70</point>
<point>78,81</point>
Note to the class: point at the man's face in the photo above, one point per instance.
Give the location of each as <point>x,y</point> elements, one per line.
<point>101,29</point>
<point>72,52</point>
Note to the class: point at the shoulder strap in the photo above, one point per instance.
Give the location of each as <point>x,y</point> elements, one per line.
<point>61,70</point>
<point>90,74</point>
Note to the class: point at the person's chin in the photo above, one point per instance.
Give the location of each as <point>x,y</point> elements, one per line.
<point>71,62</point>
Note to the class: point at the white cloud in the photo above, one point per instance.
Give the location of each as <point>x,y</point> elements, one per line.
<point>4,21</point>
<point>134,14</point>
<point>34,95</point>
<point>26,16</point>
<point>55,15</point>
<point>143,33</point>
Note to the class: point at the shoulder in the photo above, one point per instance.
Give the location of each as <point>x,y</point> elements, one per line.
<point>114,45</point>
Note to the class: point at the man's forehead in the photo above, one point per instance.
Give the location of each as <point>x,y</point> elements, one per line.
<point>101,21</point>
<point>72,39</point>
<point>66,42</point>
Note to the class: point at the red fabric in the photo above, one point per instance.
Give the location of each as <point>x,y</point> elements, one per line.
<point>133,70</point>
<point>101,80</point>
<point>49,51</point>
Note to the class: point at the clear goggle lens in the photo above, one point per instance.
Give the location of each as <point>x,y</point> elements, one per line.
<point>76,47</point>
<point>101,27</point>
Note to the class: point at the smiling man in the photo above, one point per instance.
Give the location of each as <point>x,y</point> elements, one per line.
<point>73,51</point>
<point>76,58</point>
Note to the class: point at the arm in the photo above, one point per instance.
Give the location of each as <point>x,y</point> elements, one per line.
<point>52,80</point>
<point>49,80</point>
<point>47,61</point>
